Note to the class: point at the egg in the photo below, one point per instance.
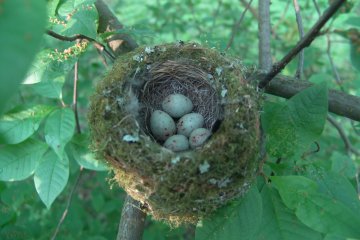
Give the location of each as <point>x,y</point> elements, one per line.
<point>162,125</point>
<point>198,137</point>
<point>177,105</point>
<point>189,123</point>
<point>177,143</point>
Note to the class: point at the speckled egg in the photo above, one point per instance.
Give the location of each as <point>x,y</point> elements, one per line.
<point>198,137</point>
<point>177,143</point>
<point>189,123</point>
<point>162,125</point>
<point>177,105</point>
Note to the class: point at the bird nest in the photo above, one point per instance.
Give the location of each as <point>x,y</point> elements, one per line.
<point>179,77</point>
<point>177,187</point>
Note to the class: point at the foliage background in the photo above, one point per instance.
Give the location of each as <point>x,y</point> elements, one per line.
<point>302,188</point>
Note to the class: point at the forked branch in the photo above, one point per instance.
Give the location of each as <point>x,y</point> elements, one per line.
<point>304,42</point>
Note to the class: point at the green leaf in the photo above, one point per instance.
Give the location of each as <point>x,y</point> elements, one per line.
<point>343,165</point>
<point>81,18</point>
<point>19,124</point>
<point>238,220</point>
<point>336,186</point>
<point>68,6</point>
<point>51,177</point>
<point>79,149</point>
<point>279,222</point>
<point>52,6</point>
<point>22,24</point>
<point>292,126</point>
<point>294,189</point>
<point>51,86</point>
<point>47,77</point>
<point>59,129</point>
<point>322,211</point>
<point>18,162</point>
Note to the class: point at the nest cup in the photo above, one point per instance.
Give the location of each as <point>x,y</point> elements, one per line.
<point>184,186</point>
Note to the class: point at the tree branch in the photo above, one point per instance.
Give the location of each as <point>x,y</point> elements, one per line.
<point>265,61</point>
<point>300,68</point>
<point>305,42</point>
<point>340,103</point>
<point>132,221</point>
<point>118,43</point>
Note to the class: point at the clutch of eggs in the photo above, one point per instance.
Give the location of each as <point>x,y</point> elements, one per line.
<point>187,132</point>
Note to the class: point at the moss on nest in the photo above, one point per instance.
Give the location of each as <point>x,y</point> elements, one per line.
<point>186,186</point>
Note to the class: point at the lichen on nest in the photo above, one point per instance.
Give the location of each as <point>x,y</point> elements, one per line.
<point>185,186</point>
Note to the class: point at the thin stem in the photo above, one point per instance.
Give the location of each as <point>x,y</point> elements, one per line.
<point>215,15</point>
<point>76,77</point>
<point>300,68</point>
<point>252,10</point>
<point>76,37</point>
<point>236,26</point>
<point>317,7</point>
<point>282,18</point>
<point>305,42</point>
<point>348,146</point>
<point>67,204</point>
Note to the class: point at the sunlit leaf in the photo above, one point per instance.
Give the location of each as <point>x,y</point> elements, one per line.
<point>51,177</point>
<point>20,124</point>
<point>59,129</point>
<point>79,148</point>
<point>18,162</point>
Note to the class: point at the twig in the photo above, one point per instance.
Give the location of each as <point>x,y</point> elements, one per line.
<point>328,52</point>
<point>265,61</point>
<point>348,146</point>
<point>236,26</point>
<point>317,7</point>
<point>67,204</point>
<point>217,11</point>
<point>306,154</point>
<point>78,129</point>
<point>251,9</point>
<point>305,42</point>
<point>332,64</point>
<point>102,58</point>
<point>282,18</point>
<point>76,76</point>
<point>356,131</point>
<point>76,37</point>
<point>300,68</point>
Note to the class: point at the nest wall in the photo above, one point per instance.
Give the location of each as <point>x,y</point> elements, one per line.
<point>186,186</point>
